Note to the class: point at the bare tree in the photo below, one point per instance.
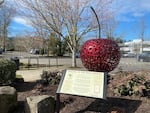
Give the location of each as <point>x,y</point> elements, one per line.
<point>71,18</point>
<point>28,42</point>
<point>23,43</point>
<point>109,28</point>
<point>6,14</point>
<point>1,2</point>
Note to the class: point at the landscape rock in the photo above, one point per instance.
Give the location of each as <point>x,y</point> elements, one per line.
<point>40,104</point>
<point>8,99</point>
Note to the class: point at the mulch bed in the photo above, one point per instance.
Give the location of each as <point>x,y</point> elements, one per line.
<point>76,104</point>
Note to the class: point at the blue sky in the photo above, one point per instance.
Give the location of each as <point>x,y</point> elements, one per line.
<point>19,26</point>
<point>128,15</point>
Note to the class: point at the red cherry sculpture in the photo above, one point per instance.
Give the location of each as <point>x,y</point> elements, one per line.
<point>100,55</point>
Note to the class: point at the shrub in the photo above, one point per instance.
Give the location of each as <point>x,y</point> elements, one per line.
<point>49,77</point>
<point>7,71</point>
<point>136,85</point>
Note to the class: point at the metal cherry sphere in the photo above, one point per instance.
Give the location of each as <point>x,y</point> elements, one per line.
<point>100,55</point>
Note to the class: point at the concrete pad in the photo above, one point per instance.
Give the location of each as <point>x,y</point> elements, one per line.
<point>30,75</point>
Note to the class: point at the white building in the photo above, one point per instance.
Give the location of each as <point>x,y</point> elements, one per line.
<point>136,46</point>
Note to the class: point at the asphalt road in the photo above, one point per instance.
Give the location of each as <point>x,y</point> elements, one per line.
<point>126,64</point>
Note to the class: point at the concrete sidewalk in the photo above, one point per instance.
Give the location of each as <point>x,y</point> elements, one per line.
<point>34,74</point>
<point>29,75</point>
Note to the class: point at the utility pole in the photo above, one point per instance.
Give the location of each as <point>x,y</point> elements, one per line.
<point>142,34</point>
<point>142,39</point>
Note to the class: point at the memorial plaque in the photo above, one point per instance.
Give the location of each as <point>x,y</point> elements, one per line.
<point>83,83</point>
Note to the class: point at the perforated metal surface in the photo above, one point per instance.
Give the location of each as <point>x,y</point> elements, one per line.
<point>100,55</point>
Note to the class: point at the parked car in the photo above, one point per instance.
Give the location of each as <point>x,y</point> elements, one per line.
<point>34,51</point>
<point>145,57</point>
<point>77,54</point>
<point>129,55</point>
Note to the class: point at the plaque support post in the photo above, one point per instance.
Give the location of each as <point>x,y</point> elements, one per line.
<point>57,102</point>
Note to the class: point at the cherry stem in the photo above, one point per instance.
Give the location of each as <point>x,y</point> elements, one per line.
<point>99,26</point>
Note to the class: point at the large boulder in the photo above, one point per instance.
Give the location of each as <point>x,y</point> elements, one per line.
<point>40,104</point>
<point>8,99</point>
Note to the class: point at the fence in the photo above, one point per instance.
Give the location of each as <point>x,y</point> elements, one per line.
<point>40,61</point>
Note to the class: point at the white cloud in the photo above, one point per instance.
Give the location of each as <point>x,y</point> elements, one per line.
<point>23,21</point>
<point>138,14</point>
<point>125,18</point>
<point>134,8</point>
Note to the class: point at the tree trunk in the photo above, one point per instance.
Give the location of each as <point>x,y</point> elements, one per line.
<point>74,63</point>
<point>5,36</point>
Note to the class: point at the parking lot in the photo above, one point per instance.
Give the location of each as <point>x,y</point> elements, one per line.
<point>126,64</point>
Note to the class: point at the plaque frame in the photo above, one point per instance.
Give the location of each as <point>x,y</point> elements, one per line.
<point>104,84</point>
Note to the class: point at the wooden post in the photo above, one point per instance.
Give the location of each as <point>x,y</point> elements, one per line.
<point>57,61</point>
<point>29,62</point>
<point>49,62</point>
<point>37,61</point>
